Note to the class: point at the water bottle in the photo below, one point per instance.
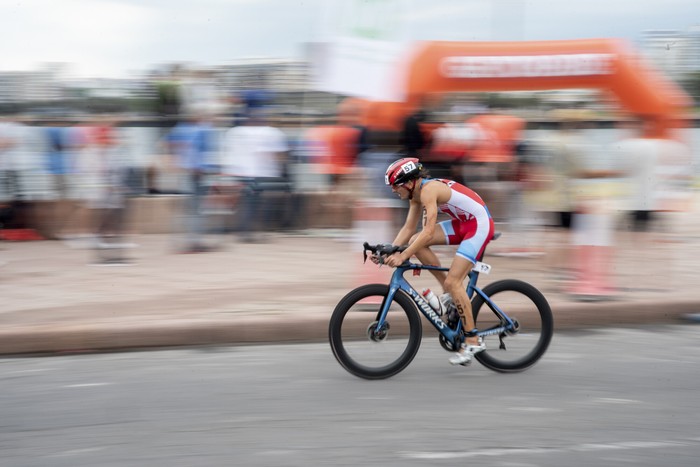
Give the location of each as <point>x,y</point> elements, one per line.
<point>432,299</point>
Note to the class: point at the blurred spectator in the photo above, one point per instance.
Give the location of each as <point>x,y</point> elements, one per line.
<point>568,153</point>
<point>104,171</point>
<point>415,137</point>
<point>14,210</point>
<point>58,157</point>
<point>377,211</point>
<point>658,172</point>
<point>658,176</point>
<point>256,154</point>
<point>347,147</point>
<point>412,137</point>
<point>97,216</point>
<point>568,159</point>
<point>254,98</point>
<point>521,181</point>
<point>63,139</point>
<point>639,161</point>
<point>192,142</point>
<point>10,143</point>
<point>353,118</point>
<point>76,230</point>
<point>594,200</point>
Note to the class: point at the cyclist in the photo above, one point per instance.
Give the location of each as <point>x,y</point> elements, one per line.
<point>471,227</point>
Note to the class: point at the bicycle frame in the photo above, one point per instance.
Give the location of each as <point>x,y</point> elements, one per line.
<point>455,336</point>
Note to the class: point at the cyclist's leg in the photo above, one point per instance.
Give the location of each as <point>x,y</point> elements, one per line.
<point>427,256</point>
<point>472,239</point>
<point>454,285</point>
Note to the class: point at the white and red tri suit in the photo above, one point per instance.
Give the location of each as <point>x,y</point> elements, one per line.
<point>471,226</point>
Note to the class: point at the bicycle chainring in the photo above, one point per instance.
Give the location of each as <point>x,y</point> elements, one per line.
<point>447,345</point>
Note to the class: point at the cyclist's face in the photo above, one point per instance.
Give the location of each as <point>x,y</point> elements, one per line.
<point>402,190</point>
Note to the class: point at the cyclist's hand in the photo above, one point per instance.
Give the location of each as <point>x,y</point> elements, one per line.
<point>375,258</point>
<point>397,259</point>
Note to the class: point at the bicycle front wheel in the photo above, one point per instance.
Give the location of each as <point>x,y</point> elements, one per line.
<point>522,348</point>
<point>361,346</point>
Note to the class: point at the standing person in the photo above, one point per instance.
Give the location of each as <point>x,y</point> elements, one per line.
<point>412,137</point>
<point>567,152</point>
<point>191,142</point>
<point>416,141</point>
<point>103,169</point>
<point>57,157</point>
<point>471,227</point>
<point>59,167</point>
<point>63,140</point>
<point>11,134</point>
<point>10,189</point>
<point>658,173</point>
<point>254,153</point>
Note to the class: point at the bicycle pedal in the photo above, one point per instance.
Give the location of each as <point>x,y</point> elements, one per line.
<point>466,363</point>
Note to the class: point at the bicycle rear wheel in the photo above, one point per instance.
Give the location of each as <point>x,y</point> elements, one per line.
<point>363,349</point>
<point>524,347</point>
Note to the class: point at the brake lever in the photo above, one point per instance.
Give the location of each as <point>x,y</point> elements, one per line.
<point>366,248</point>
<point>380,250</point>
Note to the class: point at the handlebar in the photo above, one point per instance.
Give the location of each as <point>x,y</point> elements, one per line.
<point>382,249</point>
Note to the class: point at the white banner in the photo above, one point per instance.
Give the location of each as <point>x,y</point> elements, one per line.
<point>362,52</point>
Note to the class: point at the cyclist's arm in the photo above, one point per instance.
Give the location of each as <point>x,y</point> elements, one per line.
<point>429,201</point>
<point>409,227</point>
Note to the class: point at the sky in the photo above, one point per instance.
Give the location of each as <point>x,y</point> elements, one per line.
<point>120,38</point>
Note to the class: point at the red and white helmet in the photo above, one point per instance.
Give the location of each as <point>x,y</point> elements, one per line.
<point>402,170</point>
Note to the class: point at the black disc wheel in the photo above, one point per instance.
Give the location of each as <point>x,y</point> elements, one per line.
<point>523,346</point>
<point>361,346</point>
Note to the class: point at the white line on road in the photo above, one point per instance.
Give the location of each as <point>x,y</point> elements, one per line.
<point>612,400</point>
<point>544,450</point>
<point>86,385</point>
<point>76,452</point>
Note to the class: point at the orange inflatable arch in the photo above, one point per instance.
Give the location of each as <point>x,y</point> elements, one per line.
<point>443,67</point>
<point>607,64</point>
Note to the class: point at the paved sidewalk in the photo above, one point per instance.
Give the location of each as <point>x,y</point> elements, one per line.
<point>284,290</point>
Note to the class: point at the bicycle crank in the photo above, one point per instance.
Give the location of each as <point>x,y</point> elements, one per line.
<point>447,345</point>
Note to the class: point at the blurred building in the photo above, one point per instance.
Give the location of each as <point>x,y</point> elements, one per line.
<point>674,52</point>
<point>286,83</point>
<point>24,86</point>
<point>275,74</point>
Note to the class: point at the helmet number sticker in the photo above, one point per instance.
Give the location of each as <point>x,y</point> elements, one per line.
<point>408,167</point>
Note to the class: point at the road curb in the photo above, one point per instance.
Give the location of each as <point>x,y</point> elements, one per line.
<point>290,329</point>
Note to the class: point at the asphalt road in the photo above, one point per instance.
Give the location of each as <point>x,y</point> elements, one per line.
<point>609,397</point>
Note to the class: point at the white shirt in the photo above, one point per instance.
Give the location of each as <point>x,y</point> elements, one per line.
<point>659,171</point>
<point>252,151</point>
<point>11,151</point>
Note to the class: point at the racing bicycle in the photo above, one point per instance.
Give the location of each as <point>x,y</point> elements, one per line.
<point>375,331</point>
